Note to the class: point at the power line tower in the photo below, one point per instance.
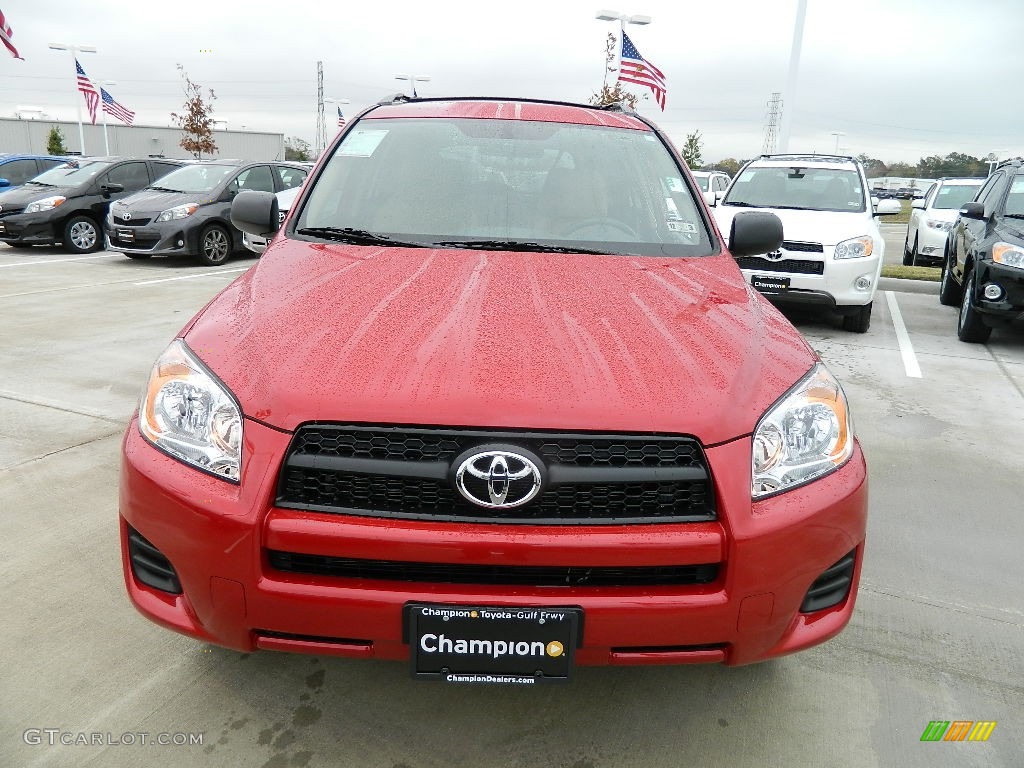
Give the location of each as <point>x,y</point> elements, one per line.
<point>771,128</point>
<point>321,126</point>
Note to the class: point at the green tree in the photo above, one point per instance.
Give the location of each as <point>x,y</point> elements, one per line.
<point>730,165</point>
<point>197,119</point>
<point>873,167</point>
<point>904,170</point>
<point>612,94</point>
<point>296,149</point>
<point>55,142</point>
<point>691,151</point>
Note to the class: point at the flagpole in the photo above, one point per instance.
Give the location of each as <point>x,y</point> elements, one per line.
<point>103,104</point>
<point>75,50</point>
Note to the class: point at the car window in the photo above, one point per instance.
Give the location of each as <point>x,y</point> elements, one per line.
<point>803,187</point>
<point>445,180</point>
<point>134,176</point>
<point>162,169</point>
<point>1015,200</point>
<point>954,195</point>
<point>72,173</point>
<point>17,172</point>
<point>986,191</point>
<point>256,178</point>
<point>290,177</point>
<point>702,182</point>
<point>46,164</point>
<point>720,183</point>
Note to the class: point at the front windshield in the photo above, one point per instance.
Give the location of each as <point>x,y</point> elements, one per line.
<point>196,178</point>
<point>492,183</point>
<point>802,187</point>
<point>71,174</point>
<point>954,195</point>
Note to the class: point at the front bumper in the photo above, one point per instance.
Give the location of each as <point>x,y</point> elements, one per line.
<point>931,243</point>
<point>217,537</point>
<point>166,238</point>
<point>41,228</point>
<point>834,288</point>
<point>1010,307</point>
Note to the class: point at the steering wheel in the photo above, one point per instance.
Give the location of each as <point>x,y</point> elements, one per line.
<point>599,225</point>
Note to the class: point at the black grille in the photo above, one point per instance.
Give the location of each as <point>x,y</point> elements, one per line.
<point>794,245</point>
<point>407,472</point>
<point>832,587</point>
<point>793,266</point>
<point>150,566</point>
<point>132,222</point>
<point>537,576</point>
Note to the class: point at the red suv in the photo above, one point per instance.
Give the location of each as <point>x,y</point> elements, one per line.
<point>496,402</point>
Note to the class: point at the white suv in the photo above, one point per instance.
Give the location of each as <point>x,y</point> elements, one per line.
<point>712,184</point>
<point>931,219</point>
<point>833,251</point>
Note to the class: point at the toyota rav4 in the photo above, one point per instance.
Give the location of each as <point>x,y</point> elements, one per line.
<point>496,401</point>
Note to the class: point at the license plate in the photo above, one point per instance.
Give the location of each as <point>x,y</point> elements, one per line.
<point>126,234</point>
<point>770,283</point>
<point>495,645</point>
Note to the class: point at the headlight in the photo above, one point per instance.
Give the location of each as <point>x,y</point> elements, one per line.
<point>1008,255</point>
<point>177,212</point>
<point>855,248</point>
<point>945,226</point>
<point>805,435</point>
<point>46,204</point>
<point>191,415</point>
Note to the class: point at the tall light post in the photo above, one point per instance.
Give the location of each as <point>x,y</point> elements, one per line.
<point>413,79</point>
<point>794,66</point>
<point>337,101</point>
<point>837,134</point>
<point>106,141</point>
<point>623,19</point>
<point>75,50</point>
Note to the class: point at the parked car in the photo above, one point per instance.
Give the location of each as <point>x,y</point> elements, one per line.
<point>712,184</point>
<point>285,200</point>
<point>904,193</point>
<point>67,204</point>
<point>932,218</point>
<point>188,212</point>
<point>15,169</point>
<point>833,252</point>
<point>983,268</point>
<point>444,420</point>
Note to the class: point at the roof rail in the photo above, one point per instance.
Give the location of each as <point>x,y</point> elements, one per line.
<point>805,156</point>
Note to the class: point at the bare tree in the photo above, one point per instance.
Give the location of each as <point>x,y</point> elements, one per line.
<point>197,119</point>
<point>612,94</point>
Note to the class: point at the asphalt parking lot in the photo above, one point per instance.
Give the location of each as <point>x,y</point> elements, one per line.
<point>938,633</point>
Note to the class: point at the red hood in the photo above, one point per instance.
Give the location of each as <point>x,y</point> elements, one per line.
<point>497,339</point>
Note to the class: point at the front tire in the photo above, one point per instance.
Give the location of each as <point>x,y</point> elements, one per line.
<point>948,294</point>
<point>82,235</point>
<point>859,321</point>
<point>970,326</point>
<point>214,245</point>
<point>908,255</point>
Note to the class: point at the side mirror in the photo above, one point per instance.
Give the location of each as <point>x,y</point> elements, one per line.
<point>255,212</point>
<point>710,199</point>
<point>973,211</point>
<point>4,183</point>
<point>888,207</point>
<point>755,232</point>
<point>917,202</point>
<point>107,189</point>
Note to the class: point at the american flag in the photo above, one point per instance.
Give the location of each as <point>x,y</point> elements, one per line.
<point>341,119</point>
<point>119,111</point>
<point>635,69</point>
<point>5,37</point>
<point>92,99</point>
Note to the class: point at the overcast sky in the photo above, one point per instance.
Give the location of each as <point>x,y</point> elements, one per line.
<point>901,79</point>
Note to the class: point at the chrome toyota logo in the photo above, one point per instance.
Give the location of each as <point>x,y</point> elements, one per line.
<point>126,215</point>
<point>774,255</point>
<point>498,473</point>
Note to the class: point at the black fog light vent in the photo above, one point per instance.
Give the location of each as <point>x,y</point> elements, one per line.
<point>832,587</point>
<point>150,566</point>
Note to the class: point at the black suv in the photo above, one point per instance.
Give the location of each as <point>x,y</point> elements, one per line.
<point>983,266</point>
<point>67,204</point>
<point>189,211</point>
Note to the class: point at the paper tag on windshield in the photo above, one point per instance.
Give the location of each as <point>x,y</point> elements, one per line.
<point>362,142</point>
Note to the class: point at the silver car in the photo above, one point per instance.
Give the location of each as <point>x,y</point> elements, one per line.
<point>285,198</point>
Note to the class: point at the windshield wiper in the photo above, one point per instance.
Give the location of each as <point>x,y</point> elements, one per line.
<point>516,245</point>
<point>41,183</point>
<point>357,236</point>
<point>1013,215</point>
<point>743,204</point>
<point>166,189</point>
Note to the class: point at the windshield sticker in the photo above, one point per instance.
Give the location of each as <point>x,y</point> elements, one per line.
<point>674,183</point>
<point>362,142</point>
<point>681,226</point>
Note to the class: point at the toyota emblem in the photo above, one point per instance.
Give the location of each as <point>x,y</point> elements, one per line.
<point>126,215</point>
<point>503,479</point>
<point>774,255</point>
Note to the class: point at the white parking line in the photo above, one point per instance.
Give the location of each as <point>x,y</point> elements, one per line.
<point>903,338</point>
<point>189,277</point>
<point>58,261</point>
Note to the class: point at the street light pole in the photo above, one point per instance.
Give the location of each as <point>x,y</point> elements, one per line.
<point>337,101</point>
<point>413,79</point>
<point>794,67</point>
<point>75,50</point>
<point>106,141</point>
<point>623,19</point>
<point>837,134</point>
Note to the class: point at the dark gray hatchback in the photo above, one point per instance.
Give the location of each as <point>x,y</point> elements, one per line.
<point>188,212</point>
